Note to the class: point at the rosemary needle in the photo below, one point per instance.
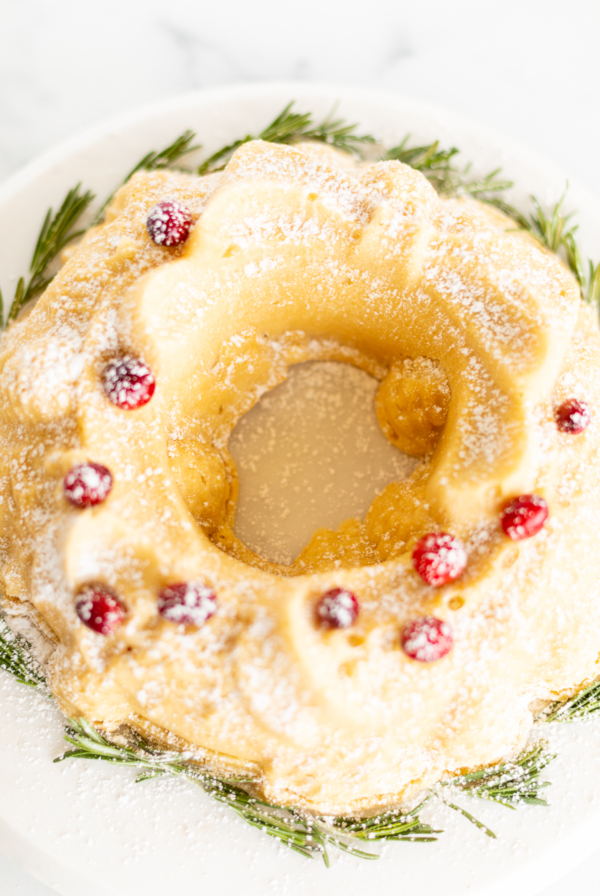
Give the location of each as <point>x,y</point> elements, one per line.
<point>57,230</point>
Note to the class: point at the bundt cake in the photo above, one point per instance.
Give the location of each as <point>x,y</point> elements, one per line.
<point>393,651</point>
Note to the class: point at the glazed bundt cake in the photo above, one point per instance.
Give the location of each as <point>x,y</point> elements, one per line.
<point>398,648</point>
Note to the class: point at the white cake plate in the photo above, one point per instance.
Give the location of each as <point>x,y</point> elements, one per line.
<point>86,829</point>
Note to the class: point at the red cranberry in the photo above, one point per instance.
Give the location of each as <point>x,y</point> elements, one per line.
<point>523,516</point>
<point>439,558</point>
<point>187,603</point>
<point>87,484</point>
<point>427,639</point>
<point>169,223</point>
<point>128,383</point>
<point>573,416</point>
<point>337,608</point>
<point>100,610</point>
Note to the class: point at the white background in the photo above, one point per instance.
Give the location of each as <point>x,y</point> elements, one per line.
<point>529,68</point>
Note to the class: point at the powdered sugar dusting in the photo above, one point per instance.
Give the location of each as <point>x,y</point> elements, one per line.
<point>294,258</point>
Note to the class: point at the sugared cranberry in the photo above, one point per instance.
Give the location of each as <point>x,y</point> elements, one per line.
<point>427,639</point>
<point>87,484</point>
<point>100,610</point>
<point>439,558</point>
<point>337,608</point>
<point>523,516</point>
<point>169,223</point>
<point>128,382</point>
<point>573,416</point>
<point>187,603</point>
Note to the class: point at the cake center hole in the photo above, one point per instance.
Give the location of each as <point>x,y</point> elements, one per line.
<point>310,454</point>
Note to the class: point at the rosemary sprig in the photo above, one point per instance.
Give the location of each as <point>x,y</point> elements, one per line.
<point>57,230</point>
<point>437,166</point>
<point>510,784</point>
<point>555,232</point>
<point>393,825</point>
<point>552,230</point>
<point>16,658</point>
<point>169,157</point>
<point>428,158</point>
<point>582,706</point>
<point>290,127</point>
<point>308,835</point>
<point>434,163</point>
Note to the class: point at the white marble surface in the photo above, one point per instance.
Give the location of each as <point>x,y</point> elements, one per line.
<point>526,67</point>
